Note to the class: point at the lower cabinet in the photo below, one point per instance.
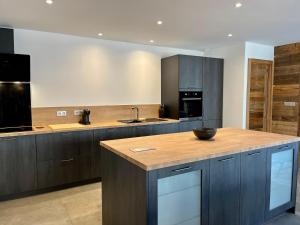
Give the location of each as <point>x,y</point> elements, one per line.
<point>224,190</point>
<point>166,128</point>
<point>253,187</point>
<point>185,126</point>
<point>17,165</point>
<point>64,158</point>
<point>281,179</point>
<point>212,123</point>
<point>180,195</point>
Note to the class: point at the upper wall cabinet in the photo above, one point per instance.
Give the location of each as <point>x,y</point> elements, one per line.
<point>190,72</point>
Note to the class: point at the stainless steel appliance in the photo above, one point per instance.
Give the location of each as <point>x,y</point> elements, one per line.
<point>190,105</point>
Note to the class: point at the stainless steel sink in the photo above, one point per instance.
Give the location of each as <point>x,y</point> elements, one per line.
<point>147,120</point>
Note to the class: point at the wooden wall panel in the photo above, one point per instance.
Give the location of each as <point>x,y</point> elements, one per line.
<point>286,90</point>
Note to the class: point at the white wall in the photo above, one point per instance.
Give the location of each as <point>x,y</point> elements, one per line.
<point>72,71</point>
<point>236,78</point>
<point>233,83</point>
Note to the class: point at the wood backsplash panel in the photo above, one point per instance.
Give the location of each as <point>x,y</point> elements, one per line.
<point>286,90</point>
<point>47,115</point>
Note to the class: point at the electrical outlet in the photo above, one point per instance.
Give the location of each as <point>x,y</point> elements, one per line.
<point>290,104</point>
<point>78,112</point>
<point>61,113</point>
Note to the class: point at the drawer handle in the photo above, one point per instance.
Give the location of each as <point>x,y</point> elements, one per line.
<point>9,139</point>
<point>67,160</point>
<point>254,153</point>
<point>182,169</point>
<point>285,148</point>
<point>225,160</point>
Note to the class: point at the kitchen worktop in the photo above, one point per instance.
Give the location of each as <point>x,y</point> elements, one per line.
<point>180,148</point>
<point>77,127</point>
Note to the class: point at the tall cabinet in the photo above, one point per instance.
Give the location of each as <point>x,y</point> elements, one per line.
<point>194,73</point>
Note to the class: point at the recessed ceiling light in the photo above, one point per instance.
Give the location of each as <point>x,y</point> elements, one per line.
<point>159,22</point>
<point>229,35</point>
<point>238,5</point>
<point>151,41</point>
<point>49,2</point>
<point>100,34</point>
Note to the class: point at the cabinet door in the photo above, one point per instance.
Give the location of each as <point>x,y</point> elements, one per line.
<point>144,130</point>
<point>281,179</point>
<point>212,123</point>
<point>185,126</point>
<point>224,195</point>
<point>17,165</point>
<point>213,89</point>
<point>190,72</point>
<point>167,128</point>
<point>253,187</point>
<point>181,195</point>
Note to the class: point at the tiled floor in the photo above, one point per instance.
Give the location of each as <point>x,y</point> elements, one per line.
<point>74,206</point>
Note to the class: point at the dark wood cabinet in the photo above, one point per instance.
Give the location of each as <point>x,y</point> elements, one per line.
<point>193,73</point>
<point>17,165</point>
<point>144,130</point>
<point>64,157</point>
<point>166,128</point>
<point>213,89</point>
<point>189,125</point>
<point>212,123</point>
<point>224,190</point>
<point>253,187</point>
<point>190,72</point>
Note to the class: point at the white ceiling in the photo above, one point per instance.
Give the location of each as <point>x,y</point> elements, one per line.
<point>190,24</point>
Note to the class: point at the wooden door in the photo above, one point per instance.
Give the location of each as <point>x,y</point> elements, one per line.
<point>260,78</point>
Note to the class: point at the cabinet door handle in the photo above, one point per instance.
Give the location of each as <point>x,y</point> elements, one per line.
<point>9,139</point>
<point>254,153</point>
<point>227,159</point>
<point>67,160</point>
<point>181,169</point>
<point>285,148</point>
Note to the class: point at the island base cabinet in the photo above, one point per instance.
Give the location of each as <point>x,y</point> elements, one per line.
<point>181,195</point>
<point>224,190</point>
<point>282,172</point>
<point>253,187</point>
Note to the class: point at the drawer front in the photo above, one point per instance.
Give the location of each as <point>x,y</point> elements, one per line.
<point>165,128</point>
<point>189,125</point>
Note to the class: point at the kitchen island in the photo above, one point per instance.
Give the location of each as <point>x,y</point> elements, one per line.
<point>240,177</point>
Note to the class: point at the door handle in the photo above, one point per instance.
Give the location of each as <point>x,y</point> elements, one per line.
<point>285,148</point>
<point>181,169</point>
<point>254,153</point>
<point>67,160</point>
<point>227,159</point>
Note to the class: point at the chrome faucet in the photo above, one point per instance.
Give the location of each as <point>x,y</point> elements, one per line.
<point>137,112</point>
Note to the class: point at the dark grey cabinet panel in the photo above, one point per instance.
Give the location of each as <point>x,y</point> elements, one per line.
<point>213,89</point>
<point>189,125</point>
<point>253,187</point>
<point>65,145</point>
<point>17,165</point>
<point>166,128</point>
<point>7,41</point>
<point>143,130</point>
<point>190,72</point>
<point>212,123</point>
<point>224,193</point>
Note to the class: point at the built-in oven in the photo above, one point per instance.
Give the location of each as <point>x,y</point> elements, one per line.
<point>190,105</point>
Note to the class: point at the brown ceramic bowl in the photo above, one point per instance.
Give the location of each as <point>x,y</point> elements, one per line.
<point>205,133</point>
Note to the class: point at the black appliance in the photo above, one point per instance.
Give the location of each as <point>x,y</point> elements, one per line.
<point>190,105</point>
<point>15,101</point>
<point>85,117</point>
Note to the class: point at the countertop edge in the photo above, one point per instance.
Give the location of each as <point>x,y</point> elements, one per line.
<point>180,162</point>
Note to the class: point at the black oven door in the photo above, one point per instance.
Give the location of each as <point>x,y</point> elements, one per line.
<point>191,105</point>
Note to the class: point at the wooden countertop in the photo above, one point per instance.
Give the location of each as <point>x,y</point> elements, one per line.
<point>180,148</point>
<point>77,127</point>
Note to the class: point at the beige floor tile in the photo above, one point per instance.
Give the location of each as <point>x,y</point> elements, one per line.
<point>92,219</point>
